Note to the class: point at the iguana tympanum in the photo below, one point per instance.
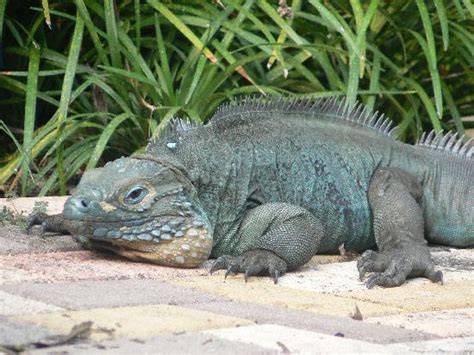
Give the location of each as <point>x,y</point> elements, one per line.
<point>268,183</point>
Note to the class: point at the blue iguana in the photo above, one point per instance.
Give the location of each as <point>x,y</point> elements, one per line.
<point>268,183</point>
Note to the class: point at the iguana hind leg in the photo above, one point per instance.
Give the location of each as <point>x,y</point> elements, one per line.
<point>394,198</point>
<point>272,238</point>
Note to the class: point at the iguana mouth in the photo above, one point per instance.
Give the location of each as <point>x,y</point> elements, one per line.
<point>166,240</point>
<point>190,250</point>
<point>153,229</point>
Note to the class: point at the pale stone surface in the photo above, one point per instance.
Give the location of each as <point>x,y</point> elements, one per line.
<point>132,322</point>
<point>449,323</point>
<point>15,333</point>
<point>449,346</point>
<point>13,275</point>
<point>87,265</point>
<point>15,305</point>
<point>14,240</point>
<point>192,343</point>
<point>284,339</point>
<point>263,291</point>
<point>24,205</point>
<point>77,295</point>
<point>419,297</point>
<point>325,278</point>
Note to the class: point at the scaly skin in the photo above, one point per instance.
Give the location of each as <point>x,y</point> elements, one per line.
<point>266,185</point>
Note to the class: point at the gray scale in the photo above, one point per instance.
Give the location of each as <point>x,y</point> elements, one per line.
<point>100,232</point>
<point>129,237</point>
<point>144,236</point>
<point>114,234</point>
<point>166,236</point>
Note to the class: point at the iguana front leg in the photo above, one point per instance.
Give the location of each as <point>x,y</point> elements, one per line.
<point>272,238</point>
<point>49,223</point>
<point>394,198</point>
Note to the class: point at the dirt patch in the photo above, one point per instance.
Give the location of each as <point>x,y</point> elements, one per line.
<point>14,240</point>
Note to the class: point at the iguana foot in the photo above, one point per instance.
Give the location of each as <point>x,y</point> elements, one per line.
<point>253,262</point>
<point>48,223</point>
<point>392,269</point>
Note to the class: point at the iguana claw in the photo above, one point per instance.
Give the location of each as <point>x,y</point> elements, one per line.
<point>391,269</point>
<point>251,263</point>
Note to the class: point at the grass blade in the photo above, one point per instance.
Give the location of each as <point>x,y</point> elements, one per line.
<point>185,30</point>
<point>3,4</point>
<point>431,58</point>
<point>104,139</point>
<point>443,21</point>
<point>374,81</point>
<point>30,114</point>
<point>92,29</point>
<point>453,109</point>
<point>68,81</point>
<point>47,17</point>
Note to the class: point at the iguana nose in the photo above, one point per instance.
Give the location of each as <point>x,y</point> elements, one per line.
<point>77,207</point>
<point>81,203</point>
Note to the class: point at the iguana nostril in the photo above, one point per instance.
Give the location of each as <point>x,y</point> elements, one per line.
<point>82,203</point>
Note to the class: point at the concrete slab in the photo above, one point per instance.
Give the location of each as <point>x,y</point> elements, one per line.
<point>9,275</point>
<point>192,343</point>
<point>419,298</point>
<point>456,264</point>
<point>17,333</point>
<point>25,205</point>
<point>116,293</point>
<point>13,304</point>
<point>450,323</point>
<point>132,322</point>
<point>87,265</point>
<point>263,291</point>
<point>325,278</point>
<point>14,240</point>
<point>290,340</point>
<point>80,295</point>
<point>449,346</point>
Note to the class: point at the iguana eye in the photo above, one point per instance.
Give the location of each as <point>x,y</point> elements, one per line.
<point>135,195</point>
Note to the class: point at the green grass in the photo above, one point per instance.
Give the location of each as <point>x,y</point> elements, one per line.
<point>109,75</point>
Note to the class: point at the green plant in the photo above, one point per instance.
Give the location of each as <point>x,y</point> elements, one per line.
<point>109,75</point>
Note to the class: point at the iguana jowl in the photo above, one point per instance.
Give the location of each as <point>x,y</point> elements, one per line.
<point>268,183</point>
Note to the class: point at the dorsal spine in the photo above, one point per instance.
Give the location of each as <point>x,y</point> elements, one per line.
<point>449,142</point>
<point>324,108</point>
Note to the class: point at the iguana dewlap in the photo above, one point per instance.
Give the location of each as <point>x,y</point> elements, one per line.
<point>268,183</point>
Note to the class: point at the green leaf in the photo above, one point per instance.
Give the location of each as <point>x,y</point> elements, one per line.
<point>185,30</point>
<point>68,81</point>
<point>374,81</point>
<point>3,4</point>
<point>104,139</point>
<point>47,17</point>
<point>431,57</point>
<point>443,20</point>
<point>30,114</point>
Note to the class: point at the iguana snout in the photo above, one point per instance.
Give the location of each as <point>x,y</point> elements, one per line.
<point>142,210</point>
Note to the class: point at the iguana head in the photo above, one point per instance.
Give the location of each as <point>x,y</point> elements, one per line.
<point>142,209</point>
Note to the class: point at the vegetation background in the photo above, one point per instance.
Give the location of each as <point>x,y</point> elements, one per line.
<point>86,81</point>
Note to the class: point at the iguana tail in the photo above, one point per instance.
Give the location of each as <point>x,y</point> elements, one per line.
<point>449,189</point>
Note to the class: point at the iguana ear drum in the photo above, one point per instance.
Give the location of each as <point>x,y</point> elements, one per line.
<point>191,250</point>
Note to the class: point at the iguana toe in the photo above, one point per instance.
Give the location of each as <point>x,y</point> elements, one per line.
<point>370,261</point>
<point>252,263</point>
<point>391,269</point>
<point>222,262</point>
